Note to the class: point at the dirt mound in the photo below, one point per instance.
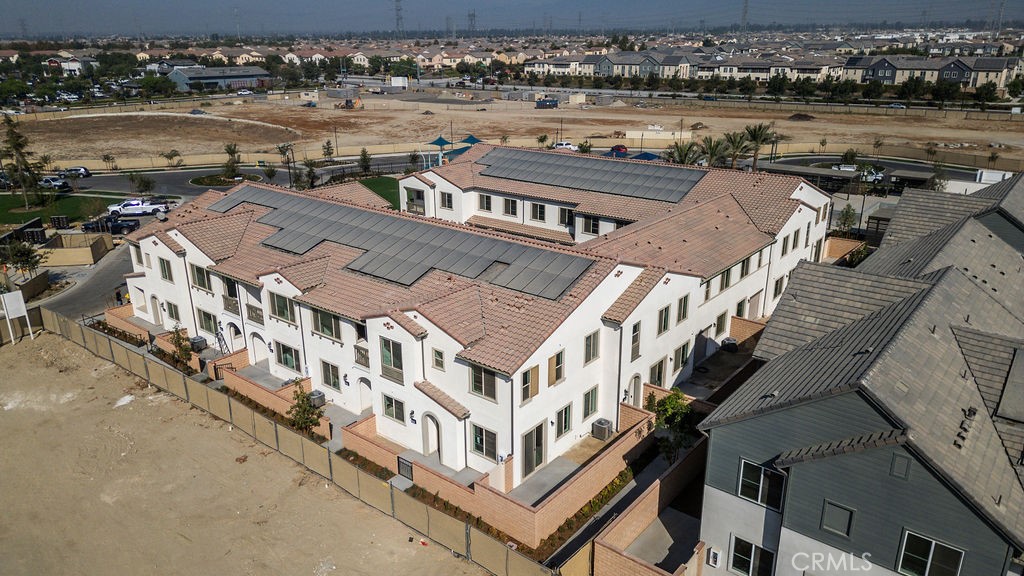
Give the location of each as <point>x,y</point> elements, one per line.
<point>801,117</point>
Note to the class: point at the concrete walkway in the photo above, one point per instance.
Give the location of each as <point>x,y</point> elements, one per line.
<point>669,541</point>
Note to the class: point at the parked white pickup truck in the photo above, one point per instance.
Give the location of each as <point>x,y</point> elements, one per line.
<point>140,206</point>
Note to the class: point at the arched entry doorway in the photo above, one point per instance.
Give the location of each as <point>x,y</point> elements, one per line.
<point>431,436</point>
<point>365,394</point>
<point>636,391</point>
<point>260,353</point>
<point>235,340</point>
<point>155,307</point>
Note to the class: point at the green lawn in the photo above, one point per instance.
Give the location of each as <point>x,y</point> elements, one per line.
<point>385,187</point>
<point>74,207</point>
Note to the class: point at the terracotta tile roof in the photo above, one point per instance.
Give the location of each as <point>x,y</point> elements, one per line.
<point>559,236</point>
<point>765,197</point>
<point>442,399</point>
<point>699,240</point>
<point>353,193</point>
<point>171,243</point>
<point>306,273</point>
<point>217,237</point>
<point>411,326</point>
<point>633,295</point>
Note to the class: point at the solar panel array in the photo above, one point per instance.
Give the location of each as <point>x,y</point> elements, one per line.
<point>648,181</point>
<point>402,250</point>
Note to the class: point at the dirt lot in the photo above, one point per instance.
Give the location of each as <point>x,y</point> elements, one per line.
<point>257,127</point>
<point>101,476</point>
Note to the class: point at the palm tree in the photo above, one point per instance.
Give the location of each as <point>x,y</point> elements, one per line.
<point>738,144</point>
<point>682,153</point>
<point>759,134</point>
<point>285,150</point>
<point>16,148</point>
<point>231,166</point>
<point>714,150</point>
<point>823,142</point>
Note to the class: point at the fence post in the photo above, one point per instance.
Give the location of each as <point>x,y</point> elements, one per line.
<point>469,542</point>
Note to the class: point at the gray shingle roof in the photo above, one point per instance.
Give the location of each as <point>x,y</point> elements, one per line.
<point>921,212</point>
<point>822,298</point>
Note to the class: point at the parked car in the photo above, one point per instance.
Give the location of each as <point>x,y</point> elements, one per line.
<point>54,182</point>
<point>620,148</point>
<point>896,105</point>
<point>77,171</point>
<point>871,175</point>
<point>111,224</point>
<point>566,145</point>
<point>140,206</point>
<point>245,92</point>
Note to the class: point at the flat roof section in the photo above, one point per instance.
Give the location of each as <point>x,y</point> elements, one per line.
<point>402,250</point>
<point>648,181</point>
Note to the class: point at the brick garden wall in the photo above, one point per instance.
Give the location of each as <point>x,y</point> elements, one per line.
<point>117,318</point>
<point>840,247</point>
<point>745,331</point>
<point>278,401</point>
<point>528,524</point>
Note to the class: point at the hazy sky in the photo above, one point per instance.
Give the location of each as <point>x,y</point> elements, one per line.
<point>104,17</point>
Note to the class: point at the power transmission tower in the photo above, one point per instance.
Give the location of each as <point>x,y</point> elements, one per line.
<point>743,18</point>
<point>238,24</point>
<point>471,18</point>
<point>999,20</point>
<point>23,27</point>
<point>398,18</point>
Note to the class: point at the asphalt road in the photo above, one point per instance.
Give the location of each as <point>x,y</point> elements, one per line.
<point>954,173</point>
<point>94,286</point>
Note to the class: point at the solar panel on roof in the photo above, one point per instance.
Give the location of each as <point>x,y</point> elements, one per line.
<point>403,250</point>
<point>648,181</point>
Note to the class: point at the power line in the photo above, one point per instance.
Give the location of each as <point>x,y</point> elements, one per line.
<point>398,18</point>
<point>471,20</point>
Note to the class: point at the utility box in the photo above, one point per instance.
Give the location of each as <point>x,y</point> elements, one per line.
<point>317,398</point>
<point>198,343</point>
<point>601,429</point>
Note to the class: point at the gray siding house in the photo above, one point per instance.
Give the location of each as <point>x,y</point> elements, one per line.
<point>885,432</point>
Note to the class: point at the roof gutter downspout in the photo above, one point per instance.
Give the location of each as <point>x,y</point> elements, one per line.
<point>618,380</point>
<point>767,282</point>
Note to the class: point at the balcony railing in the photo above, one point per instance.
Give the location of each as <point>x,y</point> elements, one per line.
<point>231,305</point>
<point>254,314</point>
<point>416,207</point>
<point>362,356</point>
<point>391,373</point>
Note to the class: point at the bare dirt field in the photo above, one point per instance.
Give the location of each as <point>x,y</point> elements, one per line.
<point>268,123</point>
<point>100,476</point>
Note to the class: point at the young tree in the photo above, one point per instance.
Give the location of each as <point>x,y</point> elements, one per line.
<point>877,145</point>
<point>823,143</point>
<point>109,160</point>
<point>182,347</point>
<point>777,85</point>
<point>986,93</point>
<point>234,159</point>
<point>269,172</point>
<point>992,157</point>
<point>675,416</point>
<point>304,417</point>
<point>140,183</point>
<point>940,178</point>
<point>414,160</point>
<point>873,90</point>
<point>541,140</point>
<point>758,135</point>
<point>846,219</point>
<point>310,172</point>
<point>585,147</point>
<point>365,161</point>
<point>748,87</point>
<point>24,257</point>
<point>285,150</point>
<point>850,156</point>
<point>328,149</point>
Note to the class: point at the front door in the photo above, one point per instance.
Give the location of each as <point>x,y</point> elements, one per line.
<point>533,449</point>
<point>365,394</point>
<point>700,345</point>
<point>431,436</point>
<point>155,307</point>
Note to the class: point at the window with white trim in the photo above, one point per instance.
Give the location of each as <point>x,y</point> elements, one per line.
<point>634,342</point>
<point>201,278</point>
<point>438,359</point>
<point>287,356</point>
<point>681,357</point>
<point>485,202</point>
<point>663,316</point>
<point>391,359</point>
<point>446,200</point>
<point>282,308</point>
<point>563,421</point>
<point>923,556</point>
<point>207,321</point>
<point>683,312</point>
<point>761,485</point>
<point>590,402</point>
<point>511,207</point>
<point>329,375</point>
<point>566,217</point>
<point>394,409</point>
<point>172,311</point>
<point>538,212</point>
<point>591,345</point>
<point>482,382</point>
<point>327,324</point>
<point>165,270</point>
<point>485,442</point>
<point>591,224</point>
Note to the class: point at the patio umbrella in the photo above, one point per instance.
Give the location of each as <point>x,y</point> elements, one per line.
<point>470,140</point>
<point>440,142</point>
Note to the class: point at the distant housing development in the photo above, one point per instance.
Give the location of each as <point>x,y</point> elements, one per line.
<point>504,311</point>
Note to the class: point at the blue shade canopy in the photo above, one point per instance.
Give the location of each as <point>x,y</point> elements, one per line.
<point>471,140</point>
<point>440,141</point>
